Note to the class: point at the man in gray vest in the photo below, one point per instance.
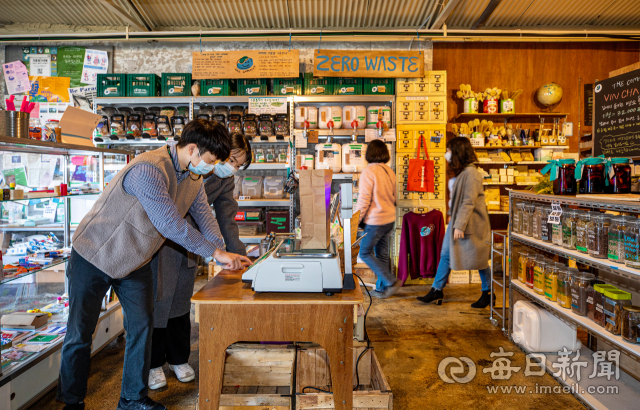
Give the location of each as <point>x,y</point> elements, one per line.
<point>144,204</point>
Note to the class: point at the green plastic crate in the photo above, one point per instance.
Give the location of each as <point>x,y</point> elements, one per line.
<point>112,85</point>
<point>213,88</point>
<point>287,86</point>
<point>176,84</point>
<point>347,86</point>
<point>378,86</point>
<point>317,85</point>
<point>143,85</point>
<point>252,87</point>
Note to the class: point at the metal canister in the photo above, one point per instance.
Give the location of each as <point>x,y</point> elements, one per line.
<point>14,124</point>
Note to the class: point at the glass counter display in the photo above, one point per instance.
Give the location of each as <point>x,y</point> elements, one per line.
<point>45,191</point>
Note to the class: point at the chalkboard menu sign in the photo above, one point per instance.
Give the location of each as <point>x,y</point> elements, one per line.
<point>616,117</point>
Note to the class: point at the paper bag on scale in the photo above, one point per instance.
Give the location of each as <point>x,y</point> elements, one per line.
<point>315,201</point>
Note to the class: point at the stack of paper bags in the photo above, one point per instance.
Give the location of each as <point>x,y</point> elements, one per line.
<point>315,203</point>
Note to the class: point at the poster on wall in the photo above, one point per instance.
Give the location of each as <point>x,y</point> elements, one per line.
<point>71,63</point>
<point>95,62</point>
<point>267,105</point>
<point>49,89</point>
<point>27,52</point>
<point>40,65</point>
<point>368,63</point>
<point>616,116</point>
<point>16,77</point>
<point>246,64</point>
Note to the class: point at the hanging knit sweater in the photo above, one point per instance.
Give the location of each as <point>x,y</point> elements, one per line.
<point>420,245</point>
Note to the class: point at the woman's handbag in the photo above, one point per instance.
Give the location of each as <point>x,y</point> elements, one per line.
<point>421,171</point>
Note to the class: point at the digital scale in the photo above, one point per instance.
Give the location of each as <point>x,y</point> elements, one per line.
<point>289,268</point>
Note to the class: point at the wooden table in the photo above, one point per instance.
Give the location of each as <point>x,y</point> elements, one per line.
<point>229,311</point>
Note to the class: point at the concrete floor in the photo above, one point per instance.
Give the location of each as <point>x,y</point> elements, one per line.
<point>410,340</point>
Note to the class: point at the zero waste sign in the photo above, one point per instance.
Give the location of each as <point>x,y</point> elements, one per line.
<point>368,63</point>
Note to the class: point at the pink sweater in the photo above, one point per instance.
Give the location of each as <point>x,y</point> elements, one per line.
<point>377,195</point>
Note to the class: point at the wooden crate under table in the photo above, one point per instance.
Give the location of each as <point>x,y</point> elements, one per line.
<point>313,370</point>
<point>258,377</point>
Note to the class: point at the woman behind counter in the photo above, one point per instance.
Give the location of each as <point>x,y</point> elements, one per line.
<point>176,269</point>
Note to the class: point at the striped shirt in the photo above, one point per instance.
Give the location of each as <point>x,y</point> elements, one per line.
<point>147,184</point>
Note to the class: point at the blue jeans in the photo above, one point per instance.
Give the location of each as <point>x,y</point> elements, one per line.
<point>87,287</point>
<point>442,274</point>
<point>374,251</point>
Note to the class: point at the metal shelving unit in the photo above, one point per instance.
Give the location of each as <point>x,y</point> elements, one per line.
<point>264,202</point>
<point>629,388</point>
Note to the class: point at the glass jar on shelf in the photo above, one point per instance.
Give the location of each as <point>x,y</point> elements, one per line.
<point>270,155</point>
<point>260,155</point>
<point>615,252</point>
<point>631,239</point>
<point>614,302</point>
<point>281,155</point>
<point>565,183</point>
<point>591,298</point>
<point>630,328</point>
<point>591,176</point>
<point>522,266</point>
<point>598,302</point>
<point>619,176</point>
<point>51,130</point>
<point>539,273</point>
<point>516,225</point>
<point>531,267</point>
<point>556,236</point>
<point>551,281</point>
<point>580,282</point>
<point>569,221</point>
<point>564,287</point>
<point>35,128</point>
<point>536,230</point>
<point>546,228</point>
<point>598,236</point>
<point>527,219</point>
<point>582,240</point>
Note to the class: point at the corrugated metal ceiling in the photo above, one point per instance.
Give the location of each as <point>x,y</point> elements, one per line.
<point>70,12</point>
<point>548,14</point>
<point>329,14</point>
<point>282,14</point>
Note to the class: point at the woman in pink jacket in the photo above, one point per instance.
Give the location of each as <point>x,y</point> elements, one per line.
<point>377,206</point>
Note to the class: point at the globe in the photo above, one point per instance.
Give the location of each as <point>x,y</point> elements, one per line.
<point>549,95</point>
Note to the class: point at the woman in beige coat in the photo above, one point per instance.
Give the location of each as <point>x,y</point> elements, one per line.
<point>466,242</point>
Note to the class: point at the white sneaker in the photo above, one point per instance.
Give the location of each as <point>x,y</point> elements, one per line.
<point>184,372</point>
<point>157,378</point>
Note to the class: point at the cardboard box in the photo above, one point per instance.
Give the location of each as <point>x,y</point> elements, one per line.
<point>503,178</point>
<point>459,276</point>
<point>492,198</point>
<point>510,179</point>
<point>503,172</point>
<point>510,171</point>
<point>77,126</point>
<point>24,320</point>
<point>315,201</point>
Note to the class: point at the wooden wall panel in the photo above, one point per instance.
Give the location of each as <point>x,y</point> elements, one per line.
<point>529,65</point>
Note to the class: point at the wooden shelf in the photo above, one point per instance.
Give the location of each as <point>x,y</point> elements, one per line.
<point>558,147</point>
<point>537,115</point>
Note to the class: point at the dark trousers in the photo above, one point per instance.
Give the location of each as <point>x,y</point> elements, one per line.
<point>172,344</point>
<point>87,287</point>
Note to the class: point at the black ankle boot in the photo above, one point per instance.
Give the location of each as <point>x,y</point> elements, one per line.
<point>484,300</point>
<point>433,295</point>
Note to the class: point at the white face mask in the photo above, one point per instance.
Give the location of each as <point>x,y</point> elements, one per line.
<point>224,170</point>
<point>447,156</point>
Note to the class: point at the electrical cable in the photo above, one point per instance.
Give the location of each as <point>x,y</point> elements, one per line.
<point>366,335</point>
<point>315,388</point>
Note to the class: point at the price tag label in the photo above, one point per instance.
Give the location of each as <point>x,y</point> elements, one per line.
<point>244,198</point>
<point>371,134</point>
<point>301,142</point>
<point>50,211</point>
<point>556,214</point>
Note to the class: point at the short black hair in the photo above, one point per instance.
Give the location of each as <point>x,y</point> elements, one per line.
<point>209,136</point>
<point>462,154</point>
<point>377,152</point>
<point>241,142</point>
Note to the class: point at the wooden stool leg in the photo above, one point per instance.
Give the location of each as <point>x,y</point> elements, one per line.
<point>339,347</point>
